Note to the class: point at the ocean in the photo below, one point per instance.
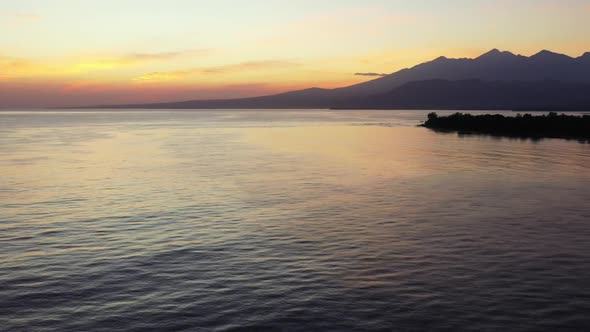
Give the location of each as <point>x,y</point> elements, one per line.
<point>287,220</point>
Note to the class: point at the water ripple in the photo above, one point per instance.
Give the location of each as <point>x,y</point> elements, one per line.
<point>287,221</point>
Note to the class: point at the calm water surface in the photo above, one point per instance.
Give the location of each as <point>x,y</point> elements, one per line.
<point>287,220</point>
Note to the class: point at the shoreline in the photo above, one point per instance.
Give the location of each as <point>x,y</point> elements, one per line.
<point>552,125</point>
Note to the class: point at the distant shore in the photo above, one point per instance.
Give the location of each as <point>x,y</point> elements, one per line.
<point>583,110</point>
<point>551,125</point>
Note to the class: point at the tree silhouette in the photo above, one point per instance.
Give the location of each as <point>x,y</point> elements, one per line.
<point>550,125</point>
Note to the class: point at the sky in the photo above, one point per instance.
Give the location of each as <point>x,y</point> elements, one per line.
<point>82,52</point>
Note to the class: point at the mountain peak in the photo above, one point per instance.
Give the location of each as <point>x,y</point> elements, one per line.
<point>493,51</point>
<point>495,54</point>
<point>548,55</point>
<point>544,53</point>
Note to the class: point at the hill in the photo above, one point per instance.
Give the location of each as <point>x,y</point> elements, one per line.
<point>493,66</point>
<point>478,94</point>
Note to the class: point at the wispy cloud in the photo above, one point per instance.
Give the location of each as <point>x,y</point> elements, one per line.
<point>250,66</point>
<point>107,62</point>
<point>215,70</point>
<point>27,16</point>
<point>370,74</point>
<point>166,55</point>
<point>162,76</point>
<point>13,67</point>
<point>132,59</point>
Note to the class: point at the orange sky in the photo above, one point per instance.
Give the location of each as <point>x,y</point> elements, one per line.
<point>66,53</point>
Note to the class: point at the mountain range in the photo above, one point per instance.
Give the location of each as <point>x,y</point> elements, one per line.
<point>494,80</point>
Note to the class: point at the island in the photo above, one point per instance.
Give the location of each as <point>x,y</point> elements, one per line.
<point>551,125</point>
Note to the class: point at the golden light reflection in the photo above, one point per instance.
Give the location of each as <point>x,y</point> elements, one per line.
<point>368,150</point>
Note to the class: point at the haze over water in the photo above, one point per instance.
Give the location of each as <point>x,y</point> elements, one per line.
<point>301,220</point>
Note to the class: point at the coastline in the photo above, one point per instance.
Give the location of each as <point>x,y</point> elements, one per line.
<point>552,125</point>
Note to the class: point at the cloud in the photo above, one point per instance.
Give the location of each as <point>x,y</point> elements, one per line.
<point>27,16</point>
<point>165,55</point>
<point>370,74</point>
<point>109,62</point>
<point>13,67</point>
<point>217,70</point>
<point>249,66</point>
<point>162,76</point>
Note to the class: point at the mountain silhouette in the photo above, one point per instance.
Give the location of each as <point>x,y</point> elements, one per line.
<point>544,70</point>
<point>491,66</point>
<point>478,94</point>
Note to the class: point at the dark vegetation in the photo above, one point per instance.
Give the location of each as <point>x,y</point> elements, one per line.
<point>542,126</point>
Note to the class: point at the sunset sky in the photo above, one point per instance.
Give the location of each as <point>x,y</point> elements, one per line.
<point>70,52</point>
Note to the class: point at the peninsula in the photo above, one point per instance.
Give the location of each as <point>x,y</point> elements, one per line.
<point>551,125</point>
